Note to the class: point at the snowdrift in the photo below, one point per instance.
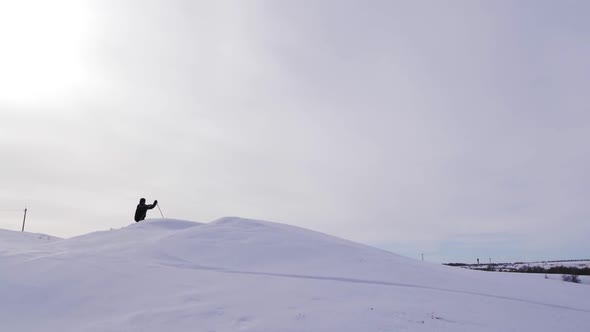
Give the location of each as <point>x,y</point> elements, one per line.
<point>12,240</point>
<point>237,274</point>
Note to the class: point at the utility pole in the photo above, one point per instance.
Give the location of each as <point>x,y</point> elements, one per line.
<point>24,219</point>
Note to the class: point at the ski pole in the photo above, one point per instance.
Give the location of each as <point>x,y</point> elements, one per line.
<point>160,210</point>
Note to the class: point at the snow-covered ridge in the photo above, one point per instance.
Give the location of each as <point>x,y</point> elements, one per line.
<point>237,274</point>
<point>12,240</point>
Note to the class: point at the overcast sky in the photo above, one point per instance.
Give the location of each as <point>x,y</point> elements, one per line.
<point>457,129</point>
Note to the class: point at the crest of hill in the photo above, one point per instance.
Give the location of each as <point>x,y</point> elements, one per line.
<point>244,245</point>
<point>239,245</point>
<point>10,240</point>
<point>234,243</point>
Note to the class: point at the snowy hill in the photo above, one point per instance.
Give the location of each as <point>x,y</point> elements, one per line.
<point>11,240</point>
<point>245,275</point>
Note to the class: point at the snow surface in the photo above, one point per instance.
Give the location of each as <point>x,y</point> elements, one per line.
<point>237,274</point>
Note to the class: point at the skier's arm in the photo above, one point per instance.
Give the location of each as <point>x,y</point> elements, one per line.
<point>153,205</point>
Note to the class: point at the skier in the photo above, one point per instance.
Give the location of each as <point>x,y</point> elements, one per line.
<point>142,209</point>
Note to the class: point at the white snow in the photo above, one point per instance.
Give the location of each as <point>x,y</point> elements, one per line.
<point>11,240</point>
<point>245,275</point>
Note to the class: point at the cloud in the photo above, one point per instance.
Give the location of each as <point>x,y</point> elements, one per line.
<point>386,122</point>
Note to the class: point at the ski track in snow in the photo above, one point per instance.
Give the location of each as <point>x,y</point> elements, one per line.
<point>369,282</point>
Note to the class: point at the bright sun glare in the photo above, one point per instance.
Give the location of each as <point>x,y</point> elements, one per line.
<point>41,49</point>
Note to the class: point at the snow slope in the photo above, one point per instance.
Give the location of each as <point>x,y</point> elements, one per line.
<point>11,240</point>
<point>245,275</point>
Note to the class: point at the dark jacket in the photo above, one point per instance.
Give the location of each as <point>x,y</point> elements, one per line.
<point>142,210</point>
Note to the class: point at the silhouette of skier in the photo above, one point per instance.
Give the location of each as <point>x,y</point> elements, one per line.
<point>142,209</point>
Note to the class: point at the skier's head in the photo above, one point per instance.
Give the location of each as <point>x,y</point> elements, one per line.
<point>142,201</point>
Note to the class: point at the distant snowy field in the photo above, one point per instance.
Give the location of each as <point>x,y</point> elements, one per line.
<point>246,275</point>
<point>576,267</point>
<point>548,265</point>
<point>581,264</point>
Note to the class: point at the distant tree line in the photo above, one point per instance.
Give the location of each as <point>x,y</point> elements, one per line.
<point>559,261</point>
<point>569,270</point>
<point>555,270</point>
